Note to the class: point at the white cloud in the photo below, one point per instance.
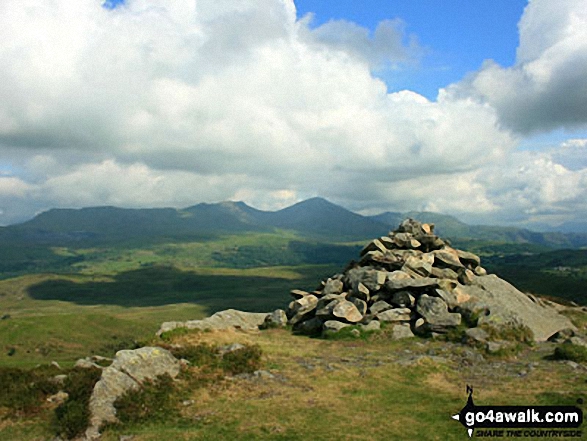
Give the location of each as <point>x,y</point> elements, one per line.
<point>547,87</point>
<point>169,104</point>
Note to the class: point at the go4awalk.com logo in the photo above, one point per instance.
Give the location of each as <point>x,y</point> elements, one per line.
<point>520,421</point>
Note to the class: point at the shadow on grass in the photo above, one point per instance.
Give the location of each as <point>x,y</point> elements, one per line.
<point>158,286</point>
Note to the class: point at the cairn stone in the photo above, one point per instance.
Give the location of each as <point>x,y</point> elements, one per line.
<point>414,279</point>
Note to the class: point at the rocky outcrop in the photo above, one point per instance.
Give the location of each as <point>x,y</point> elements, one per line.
<point>228,319</point>
<point>417,283</point>
<point>129,370</point>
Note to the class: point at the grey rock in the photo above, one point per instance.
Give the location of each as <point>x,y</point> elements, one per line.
<point>494,347</point>
<point>59,379</point>
<point>476,335</point>
<point>466,277</point>
<point>577,341</point>
<point>395,315</point>
<point>277,318</point>
<point>380,306</point>
<point>227,319</point>
<point>401,284</point>
<point>298,293</point>
<point>448,258</point>
<point>333,286</point>
<point>230,348</point>
<point>355,333</point>
<point>263,375</point>
<point>435,312</point>
<point>419,265</point>
<point>348,311</point>
<point>362,292</point>
<point>480,271</point>
<point>58,398</point>
<point>444,273</point>
<point>360,305</point>
<point>374,245</point>
<point>469,259</point>
<point>371,278</point>
<point>302,307</point>
<point>309,327</point>
<point>325,310</point>
<point>373,325</point>
<point>403,299</point>
<point>449,297</point>
<point>401,331</point>
<point>334,325</point>
<point>127,372</point>
<point>505,305</point>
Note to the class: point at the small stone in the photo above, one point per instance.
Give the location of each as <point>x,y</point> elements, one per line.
<point>373,325</point>
<point>298,293</point>
<point>333,287</point>
<point>480,271</point>
<point>348,311</point>
<point>277,318</point>
<point>476,335</point>
<point>355,333</point>
<point>380,306</point>
<point>360,304</point>
<point>58,398</point>
<point>395,315</point>
<point>362,292</point>
<point>401,331</point>
<point>264,375</point>
<point>334,325</point>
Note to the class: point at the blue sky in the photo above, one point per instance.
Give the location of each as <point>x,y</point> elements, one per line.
<point>472,108</point>
<point>458,36</point>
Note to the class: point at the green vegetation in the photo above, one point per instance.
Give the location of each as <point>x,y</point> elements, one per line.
<point>154,402</point>
<point>570,351</point>
<point>22,392</point>
<point>72,417</point>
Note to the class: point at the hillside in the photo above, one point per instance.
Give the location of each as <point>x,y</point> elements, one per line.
<point>314,218</point>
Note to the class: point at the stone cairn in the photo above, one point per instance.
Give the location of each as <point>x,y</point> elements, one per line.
<point>410,279</point>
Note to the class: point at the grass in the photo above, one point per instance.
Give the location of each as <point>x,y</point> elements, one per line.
<point>324,390</point>
<point>112,312</point>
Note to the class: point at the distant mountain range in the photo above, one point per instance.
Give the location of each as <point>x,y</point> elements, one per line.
<point>314,218</point>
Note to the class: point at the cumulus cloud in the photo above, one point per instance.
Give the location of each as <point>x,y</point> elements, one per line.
<point>387,46</point>
<point>547,87</point>
<point>157,103</point>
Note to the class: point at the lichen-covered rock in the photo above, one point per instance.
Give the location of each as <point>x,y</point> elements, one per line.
<point>129,370</point>
<point>227,319</point>
<point>505,305</point>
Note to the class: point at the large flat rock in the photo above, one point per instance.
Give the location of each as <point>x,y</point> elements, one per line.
<point>507,305</point>
<point>227,319</point>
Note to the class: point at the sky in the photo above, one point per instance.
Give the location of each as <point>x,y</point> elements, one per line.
<point>476,109</point>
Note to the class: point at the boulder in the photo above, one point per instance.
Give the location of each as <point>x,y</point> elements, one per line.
<point>227,319</point>
<point>129,370</point>
<point>373,325</point>
<point>395,315</point>
<point>309,327</point>
<point>334,325</point>
<point>333,286</point>
<point>348,311</point>
<point>505,305</point>
<point>435,312</point>
<point>401,331</point>
<point>277,319</point>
